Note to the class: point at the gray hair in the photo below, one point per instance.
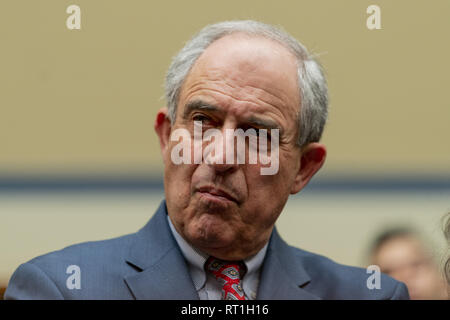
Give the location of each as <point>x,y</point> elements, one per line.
<point>312,83</point>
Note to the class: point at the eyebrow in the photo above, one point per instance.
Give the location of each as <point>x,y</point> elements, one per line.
<point>264,124</point>
<point>254,121</point>
<point>198,105</point>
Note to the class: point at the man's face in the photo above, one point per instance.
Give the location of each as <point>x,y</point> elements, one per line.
<point>229,210</point>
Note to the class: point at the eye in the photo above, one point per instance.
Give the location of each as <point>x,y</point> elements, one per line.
<point>250,130</point>
<point>200,117</point>
<point>258,131</point>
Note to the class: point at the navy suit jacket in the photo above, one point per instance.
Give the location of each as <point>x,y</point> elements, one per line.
<point>149,265</point>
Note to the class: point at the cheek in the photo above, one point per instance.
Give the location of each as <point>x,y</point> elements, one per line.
<point>179,176</point>
<point>177,182</point>
<point>272,186</point>
<point>269,193</point>
<point>267,196</point>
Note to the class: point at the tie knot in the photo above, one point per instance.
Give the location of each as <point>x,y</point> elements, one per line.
<point>229,275</point>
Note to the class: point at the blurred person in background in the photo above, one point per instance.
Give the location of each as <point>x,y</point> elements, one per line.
<point>447,262</point>
<point>403,254</point>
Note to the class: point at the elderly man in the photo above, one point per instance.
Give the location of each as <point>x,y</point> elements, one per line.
<point>213,237</point>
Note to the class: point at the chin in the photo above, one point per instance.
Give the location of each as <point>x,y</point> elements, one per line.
<point>210,232</point>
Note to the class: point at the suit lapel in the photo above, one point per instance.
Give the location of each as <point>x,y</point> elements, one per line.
<point>283,276</point>
<point>162,270</point>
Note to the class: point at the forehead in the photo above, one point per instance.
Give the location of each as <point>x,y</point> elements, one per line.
<point>246,70</point>
<point>401,247</point>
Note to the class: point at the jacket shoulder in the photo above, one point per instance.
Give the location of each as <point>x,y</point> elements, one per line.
<point>332,280</point>
<point>91,252</point>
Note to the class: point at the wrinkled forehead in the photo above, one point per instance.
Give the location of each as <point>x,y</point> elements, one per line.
<point>252,65</point>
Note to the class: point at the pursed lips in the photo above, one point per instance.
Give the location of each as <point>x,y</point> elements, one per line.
<point>217,193</point>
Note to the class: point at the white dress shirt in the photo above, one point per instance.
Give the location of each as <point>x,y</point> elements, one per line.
<point>208,288</point>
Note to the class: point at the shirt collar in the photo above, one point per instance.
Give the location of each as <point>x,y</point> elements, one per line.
<point>196,259</point>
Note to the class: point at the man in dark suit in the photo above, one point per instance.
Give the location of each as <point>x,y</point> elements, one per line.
<point>213,237</point>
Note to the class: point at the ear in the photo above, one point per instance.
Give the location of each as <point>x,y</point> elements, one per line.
<point>311,160</point>
<point>163,129</point>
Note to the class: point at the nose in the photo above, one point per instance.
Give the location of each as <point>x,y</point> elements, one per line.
<point>222,168</point>
<point>220,153</point>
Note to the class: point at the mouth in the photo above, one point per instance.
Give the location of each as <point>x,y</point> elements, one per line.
<point>216,194</point>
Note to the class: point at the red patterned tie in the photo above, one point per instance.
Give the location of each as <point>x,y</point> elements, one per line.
<point>229,274</point>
